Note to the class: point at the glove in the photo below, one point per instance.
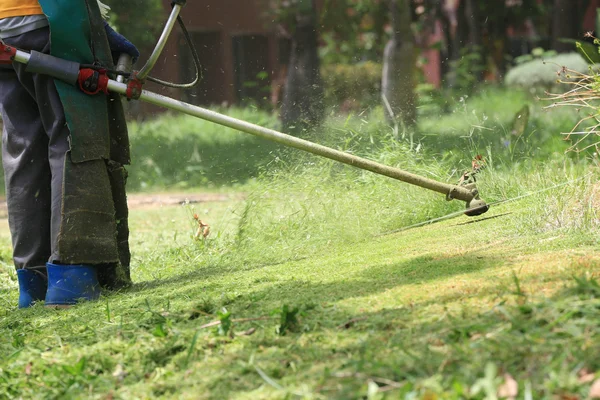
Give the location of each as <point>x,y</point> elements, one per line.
<point>119,44</point>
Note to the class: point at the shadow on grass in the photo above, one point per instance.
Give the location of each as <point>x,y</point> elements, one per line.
<point>270,289</point>
<point>258,293</point>
<point>379,278</point>
<point>531,340</point>
<point>190,161</point>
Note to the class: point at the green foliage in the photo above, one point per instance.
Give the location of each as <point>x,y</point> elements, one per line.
<point>466,71</point>
<point>433,102</point>
<point>499,13</point>
<point>225,327</point>
<point>139,20</point>
<point>285,13</point>
<point>77,369</point>
<point>182,151</point>
<point>354,30</point>
<point>537,54</point>
<point>544,74</point>
<point>586,287</point>
<point>352,87</point>
<point>484,123</point>
<point>160,330</point>
<point>351,30</point>
<point>288,319</point>
<point>590,52</point>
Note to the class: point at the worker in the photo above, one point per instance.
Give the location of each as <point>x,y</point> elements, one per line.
<point>64,180</point>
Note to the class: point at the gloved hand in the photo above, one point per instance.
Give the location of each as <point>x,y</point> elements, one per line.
<point>119,44</point>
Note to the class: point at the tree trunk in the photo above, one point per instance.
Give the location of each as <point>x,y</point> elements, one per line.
<point>497,45</point>
<point>303,105</point>
<point>461,38</point>
<point>447,50</point>
<point>399,67</point>
<point>567,21</point>
<point>457,39</point>
<point>380,19</point>
<point>472,17</point>
<point>468,62</point>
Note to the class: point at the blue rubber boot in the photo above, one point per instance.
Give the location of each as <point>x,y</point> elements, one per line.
<point>32,287</point>
<point>69,284</point>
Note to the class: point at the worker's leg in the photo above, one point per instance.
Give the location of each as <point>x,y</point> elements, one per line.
<point>52,135</point>
<point>54,122</point>
<point>36,141</point>
<point>26,171</point>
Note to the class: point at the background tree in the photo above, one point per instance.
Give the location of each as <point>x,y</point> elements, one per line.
<point>399,67</point>
<point>567,18</point>
<point>138,20</point>
<point>476,37</point>
<point>303,106</point>
<point>499,17</point>
<point>353,30</point>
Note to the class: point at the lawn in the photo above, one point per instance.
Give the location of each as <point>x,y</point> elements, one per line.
<point>309,285</point>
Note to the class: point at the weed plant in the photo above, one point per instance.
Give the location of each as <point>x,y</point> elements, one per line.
<point>583,96</point>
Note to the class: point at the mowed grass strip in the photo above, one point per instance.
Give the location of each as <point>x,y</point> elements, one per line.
<point>302,291</point>
<point>450,309</point>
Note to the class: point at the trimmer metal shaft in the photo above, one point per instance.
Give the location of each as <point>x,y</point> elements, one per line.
<point>57,68</point>
<point>451,191</point>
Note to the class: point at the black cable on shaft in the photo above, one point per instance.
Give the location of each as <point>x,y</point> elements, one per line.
<point>195,58</point>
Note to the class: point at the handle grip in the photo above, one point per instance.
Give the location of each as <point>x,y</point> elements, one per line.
<point>125,64</point>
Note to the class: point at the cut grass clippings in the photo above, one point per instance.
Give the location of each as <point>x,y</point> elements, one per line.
<point>309,286</point>
<point>449,309</point>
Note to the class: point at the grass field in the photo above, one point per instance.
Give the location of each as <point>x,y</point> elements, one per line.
<point>309,286</point>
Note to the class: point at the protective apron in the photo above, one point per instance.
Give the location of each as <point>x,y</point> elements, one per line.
<point>94,227</point>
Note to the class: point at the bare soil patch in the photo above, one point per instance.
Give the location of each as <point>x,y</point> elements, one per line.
<point>157,200</point>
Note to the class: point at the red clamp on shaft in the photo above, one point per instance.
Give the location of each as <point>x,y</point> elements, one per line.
<point>7,53</point>
<point>134,87</point>
<point>93,82</point>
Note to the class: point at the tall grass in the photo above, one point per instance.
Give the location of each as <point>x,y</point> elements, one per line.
<point>486,121</point>
<point>305,208</point>
<point>301,204</point>
<point>178,152</point>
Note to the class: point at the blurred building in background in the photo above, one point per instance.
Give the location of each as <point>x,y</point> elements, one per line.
<point>241,53</point>
<point>244,54</point>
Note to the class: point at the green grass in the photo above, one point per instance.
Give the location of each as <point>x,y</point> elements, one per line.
<point>320,293</point>
<point>181,152</point>
<point>178,152</point>
<point>485,121</point>
<point>432,309</point>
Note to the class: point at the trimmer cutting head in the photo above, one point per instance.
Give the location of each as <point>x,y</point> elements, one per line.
<point>476,207</point>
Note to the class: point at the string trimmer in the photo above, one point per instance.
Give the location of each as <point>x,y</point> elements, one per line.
<point>94,80</point>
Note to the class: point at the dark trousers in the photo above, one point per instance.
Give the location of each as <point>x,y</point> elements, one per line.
<point>35,140</point>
